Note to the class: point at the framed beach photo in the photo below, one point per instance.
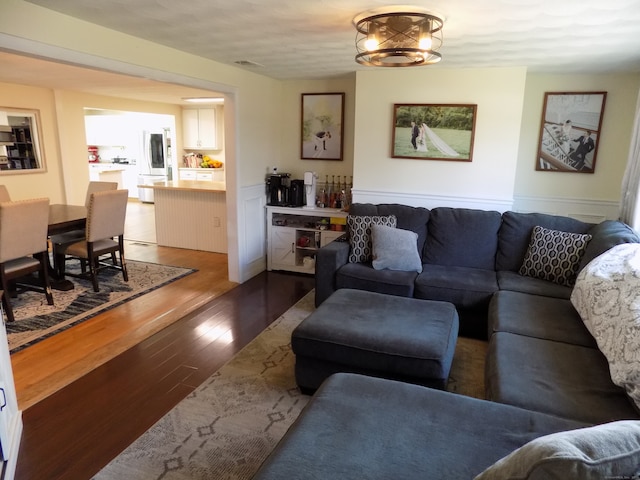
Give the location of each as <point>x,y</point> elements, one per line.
<point>322,126</point>
<point>433,131</point>
<point>570,131</point>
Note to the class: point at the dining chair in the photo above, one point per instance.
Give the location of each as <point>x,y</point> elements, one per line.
<point>4,194</point>
<point>74,236</point>
<point>105,221</point>
<point>23,248</point>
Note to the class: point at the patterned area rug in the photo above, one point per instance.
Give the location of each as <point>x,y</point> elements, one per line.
<point>229,425</point>
<point>35,320</point>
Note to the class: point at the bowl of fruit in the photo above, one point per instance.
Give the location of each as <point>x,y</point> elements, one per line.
<point>208,162</point>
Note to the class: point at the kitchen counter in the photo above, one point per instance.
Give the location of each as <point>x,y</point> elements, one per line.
<point>191,214</point>
<point>187,185</point>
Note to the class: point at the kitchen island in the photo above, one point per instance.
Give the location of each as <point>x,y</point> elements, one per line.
<point>191,214</point>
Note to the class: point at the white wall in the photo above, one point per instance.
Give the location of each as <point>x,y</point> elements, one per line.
<point>290,118</point>
<point>587,196</point>
<point>486,182</point>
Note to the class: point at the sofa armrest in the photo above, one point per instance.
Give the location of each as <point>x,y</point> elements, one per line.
<point>328,260</point>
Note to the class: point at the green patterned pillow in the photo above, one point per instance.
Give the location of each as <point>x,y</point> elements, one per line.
<point>554,255</point>
<point>359,227</point>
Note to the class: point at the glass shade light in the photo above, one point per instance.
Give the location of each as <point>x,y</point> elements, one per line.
<point>398,39</point>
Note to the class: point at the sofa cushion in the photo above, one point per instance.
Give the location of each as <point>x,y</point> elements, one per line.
<point>606,235</point>
<point>357,427</point>
<point>360,234</point>
<point>395,249</point>
<point>407,217</point>
<point>515,234</point>
<point>607,297</point>
<point>362,276</point>
<point>462,286</point>
<point>554,255</point>
<point>570,381</point>
<point>515,282</point>
<point>611,450</point>
<point>535,316</point>
<point>462,237</point>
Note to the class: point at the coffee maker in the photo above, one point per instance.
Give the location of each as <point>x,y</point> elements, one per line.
<point>278,188</point>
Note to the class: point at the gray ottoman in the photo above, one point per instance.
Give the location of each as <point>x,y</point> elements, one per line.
<point>374,334</point>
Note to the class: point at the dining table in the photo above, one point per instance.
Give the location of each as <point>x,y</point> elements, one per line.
<point>66,218</point>
<point>62,219</point>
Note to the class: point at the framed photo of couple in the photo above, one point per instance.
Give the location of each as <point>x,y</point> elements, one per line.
<point>322,126</point>
<point>570,131</point>
<point>433,131</point>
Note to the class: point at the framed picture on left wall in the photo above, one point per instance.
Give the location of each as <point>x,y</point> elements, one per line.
<point>322,126</point>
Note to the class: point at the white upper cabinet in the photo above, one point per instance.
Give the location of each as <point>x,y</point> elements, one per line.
<point>199,129</point>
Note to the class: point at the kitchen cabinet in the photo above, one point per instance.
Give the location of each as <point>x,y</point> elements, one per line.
<point>199,129</point>
<point>294,236</point>
<point>202,174</point>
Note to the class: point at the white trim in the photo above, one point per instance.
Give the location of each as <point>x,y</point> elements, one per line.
<point>252,230</point>
<point>10,43</point>
<point>584,209</point>
<point>430,201</point>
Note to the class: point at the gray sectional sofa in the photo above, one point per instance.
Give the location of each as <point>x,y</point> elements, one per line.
<point>467,255</point>
<point>544,371</point>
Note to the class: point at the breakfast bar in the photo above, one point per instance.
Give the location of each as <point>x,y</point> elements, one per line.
<point>191,214</point>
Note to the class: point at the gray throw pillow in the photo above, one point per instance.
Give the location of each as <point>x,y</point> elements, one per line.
<point>554,255</point>
<point>395,249</point>
<point>611,450</point>
<point>359,227</point>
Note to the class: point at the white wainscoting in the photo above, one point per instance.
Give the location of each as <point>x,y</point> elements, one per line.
<point>586,210</point>
<point>253,233</point>
<point>431,201</point>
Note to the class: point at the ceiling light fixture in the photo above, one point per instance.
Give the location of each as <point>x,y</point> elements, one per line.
<point>398,37</point>
<point>203,99</point>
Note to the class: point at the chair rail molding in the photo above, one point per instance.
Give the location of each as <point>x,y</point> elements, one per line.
<point>584,209</point>
<point>431,201</point>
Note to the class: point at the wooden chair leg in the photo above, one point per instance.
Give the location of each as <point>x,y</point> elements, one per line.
<point>8,310</point>
<point>44,277</point>
<point>93,271</point>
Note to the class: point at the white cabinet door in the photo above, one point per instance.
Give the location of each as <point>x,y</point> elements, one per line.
<point>199,128</point>
<point>187,174</point>
<point>190,129</point>
<point>207,128</point>
<point>204,176</point>
<point>283,247</point>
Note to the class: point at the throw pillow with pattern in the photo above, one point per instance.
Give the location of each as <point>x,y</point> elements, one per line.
<point>554,255</point>
<point>359,227</point>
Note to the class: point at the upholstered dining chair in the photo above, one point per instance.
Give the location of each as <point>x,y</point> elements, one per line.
<point>23,247</point>
<point>105,222</point>
<point>4,194</point>
<point>74,236</point>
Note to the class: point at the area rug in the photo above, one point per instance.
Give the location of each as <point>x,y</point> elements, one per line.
<point>36,320</point>
<point>228,426</point>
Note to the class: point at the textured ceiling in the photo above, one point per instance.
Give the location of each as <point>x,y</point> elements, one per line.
<point>296,39</point>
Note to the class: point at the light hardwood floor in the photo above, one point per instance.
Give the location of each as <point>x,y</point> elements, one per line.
<point>44,368</point>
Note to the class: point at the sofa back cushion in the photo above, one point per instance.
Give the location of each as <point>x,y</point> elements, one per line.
<point>606,235</point>
<point>515,234</point>
<point>462,237</point>
<point>407,217</point>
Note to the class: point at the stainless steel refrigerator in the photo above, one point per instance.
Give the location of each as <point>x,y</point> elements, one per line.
<point>154,165</point>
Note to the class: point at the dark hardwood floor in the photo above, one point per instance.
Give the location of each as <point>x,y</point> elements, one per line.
<point>74,432</point>
<point>90,391</point>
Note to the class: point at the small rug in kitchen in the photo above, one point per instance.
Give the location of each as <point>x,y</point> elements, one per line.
<point>35,320</point>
